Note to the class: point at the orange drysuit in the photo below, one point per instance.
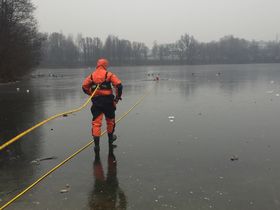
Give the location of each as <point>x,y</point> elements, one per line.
<point>103,102</point>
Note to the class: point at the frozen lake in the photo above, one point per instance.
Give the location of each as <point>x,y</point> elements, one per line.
<point>206,137</point>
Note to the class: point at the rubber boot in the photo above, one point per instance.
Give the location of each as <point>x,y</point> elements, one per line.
<point>96,144</point>
<point>111,138</point>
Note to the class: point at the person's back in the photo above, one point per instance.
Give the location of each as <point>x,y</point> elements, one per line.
<point>103,102</point>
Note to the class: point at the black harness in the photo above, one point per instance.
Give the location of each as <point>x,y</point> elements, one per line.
<point>106,85</point>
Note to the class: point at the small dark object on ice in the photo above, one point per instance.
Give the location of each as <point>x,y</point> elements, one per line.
<point>234,158</point>
<point>65,115</point>
<point>37,161</point>
<point>48,158</point>
<point>51,129</point>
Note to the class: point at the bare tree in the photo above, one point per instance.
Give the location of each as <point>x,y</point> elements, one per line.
<point>20,41</point>
<point>186,47</point>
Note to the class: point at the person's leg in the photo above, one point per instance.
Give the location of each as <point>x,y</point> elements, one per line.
<point>110,129</point>
<point>96,125</point>
<point>97,116</point>
<point>110,120</point>
<point>96,131</point>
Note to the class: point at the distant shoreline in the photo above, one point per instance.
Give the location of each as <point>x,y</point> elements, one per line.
<point>92,67</point>
<point>9,83</point>
<point>149,64</point>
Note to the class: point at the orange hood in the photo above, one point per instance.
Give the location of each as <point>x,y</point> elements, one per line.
<point>102,62</point>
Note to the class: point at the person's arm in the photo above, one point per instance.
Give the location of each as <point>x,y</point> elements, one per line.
<point>118,87</point>
<point>87,85</point>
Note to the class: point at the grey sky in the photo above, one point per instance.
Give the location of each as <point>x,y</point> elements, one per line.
<point>161,20</point>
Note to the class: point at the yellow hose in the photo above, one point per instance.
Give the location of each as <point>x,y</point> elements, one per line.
<point>67,159</point>
<point>47,120</point>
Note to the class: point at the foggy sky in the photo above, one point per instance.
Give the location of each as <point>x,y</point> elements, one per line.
<point>161,20</point>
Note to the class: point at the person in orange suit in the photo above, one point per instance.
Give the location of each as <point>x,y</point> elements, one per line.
<point>104,102</point>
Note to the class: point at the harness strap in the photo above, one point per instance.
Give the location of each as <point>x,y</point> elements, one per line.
<point>103,85</point>
<point>106,76</point>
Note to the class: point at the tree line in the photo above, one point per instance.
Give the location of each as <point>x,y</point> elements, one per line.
<point>228,50</point>
<point>61,51</point>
